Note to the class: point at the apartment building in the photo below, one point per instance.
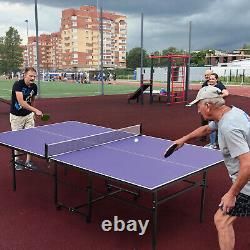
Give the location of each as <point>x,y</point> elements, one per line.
<point>30,53</point>
<point>77,46</point>
<point>50,51</point>
<point>25,55</point>
<point>81,39</point>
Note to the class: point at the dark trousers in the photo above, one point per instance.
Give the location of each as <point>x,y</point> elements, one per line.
<point>203,123</point>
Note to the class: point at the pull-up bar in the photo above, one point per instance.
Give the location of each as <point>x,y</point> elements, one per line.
<point>171,59</point>
<point>169,56</point>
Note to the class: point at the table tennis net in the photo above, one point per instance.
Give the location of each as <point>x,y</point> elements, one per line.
<point>67,146</point>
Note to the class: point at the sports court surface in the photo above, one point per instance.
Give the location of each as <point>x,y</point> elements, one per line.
<point>28,215</point>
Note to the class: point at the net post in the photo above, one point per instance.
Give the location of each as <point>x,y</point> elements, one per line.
<point>46,151</point>
<point>140,129</point>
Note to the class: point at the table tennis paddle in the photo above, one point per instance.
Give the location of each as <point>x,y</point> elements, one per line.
<point>170,150</point>
<point>45,117</point>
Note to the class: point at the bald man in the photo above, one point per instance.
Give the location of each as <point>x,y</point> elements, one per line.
<point>207,74</point>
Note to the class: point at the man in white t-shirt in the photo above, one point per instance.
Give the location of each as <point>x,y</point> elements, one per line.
<point>233,126</point>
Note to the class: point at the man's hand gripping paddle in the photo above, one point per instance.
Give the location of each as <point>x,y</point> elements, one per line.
<point>45,117</point>
<point>170,150</point>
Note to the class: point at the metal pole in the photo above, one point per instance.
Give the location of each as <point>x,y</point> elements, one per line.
<point>101,29</point>
<point>151,79</point>
<point>189,41</point>
<point>188,62</point>
<point>27,22</point>
<point>141,77</point>
<point>169,65</point>
<point>37,52</point>
<point>141,48</point>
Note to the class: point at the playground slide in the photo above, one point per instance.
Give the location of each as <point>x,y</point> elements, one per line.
<point>138,92</point>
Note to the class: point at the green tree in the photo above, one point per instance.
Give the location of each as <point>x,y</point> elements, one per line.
<point>1,53</point>
<point>157,61</point>
<point>198,57</point>
<point>246,48</point>
<point>11,51</point>
<point>170,51</point>
<point>134,58</point>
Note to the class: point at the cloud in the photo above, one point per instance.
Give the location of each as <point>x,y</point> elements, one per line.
<point>149,7</point>
<point>15,14</point>
<point>216,24</point>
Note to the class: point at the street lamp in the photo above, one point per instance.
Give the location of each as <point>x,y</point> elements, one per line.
<point>27,22</point>
<point>37,52</point>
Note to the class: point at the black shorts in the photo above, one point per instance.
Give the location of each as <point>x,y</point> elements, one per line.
<point>242,206</point>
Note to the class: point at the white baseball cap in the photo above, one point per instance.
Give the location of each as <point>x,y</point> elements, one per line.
<point>207,92</point>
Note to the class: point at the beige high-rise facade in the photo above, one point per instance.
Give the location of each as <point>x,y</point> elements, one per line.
<point>77,47</point>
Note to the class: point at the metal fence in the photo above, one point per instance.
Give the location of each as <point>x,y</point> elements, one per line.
<point>226,74</point>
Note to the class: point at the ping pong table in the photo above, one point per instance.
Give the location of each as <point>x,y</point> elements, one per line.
<point>123,156</point>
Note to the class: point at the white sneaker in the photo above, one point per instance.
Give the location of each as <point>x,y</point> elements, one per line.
<point>19,165</point>
<point>30,165</point>
<point>211,146</point>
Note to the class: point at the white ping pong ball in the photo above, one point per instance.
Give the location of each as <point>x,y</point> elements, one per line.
<point>136,139</point>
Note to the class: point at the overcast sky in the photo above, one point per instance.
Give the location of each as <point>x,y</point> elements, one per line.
<point>216,24</point>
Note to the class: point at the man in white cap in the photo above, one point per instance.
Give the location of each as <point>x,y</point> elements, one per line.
<point>233,126</point>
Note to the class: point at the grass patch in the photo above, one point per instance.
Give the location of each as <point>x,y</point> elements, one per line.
<point>65,89</point>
